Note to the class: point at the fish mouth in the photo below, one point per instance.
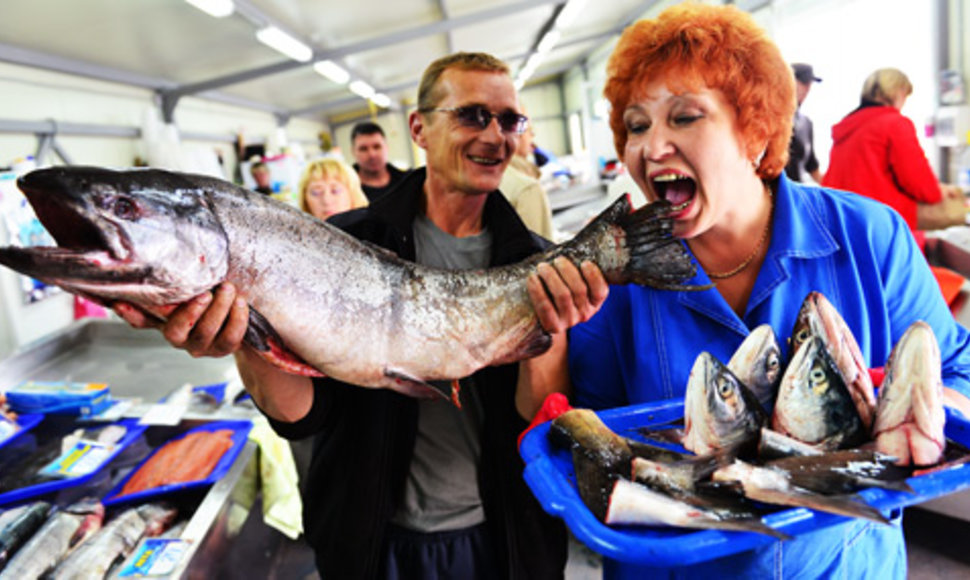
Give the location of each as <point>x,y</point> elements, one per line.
<point>88,247</point>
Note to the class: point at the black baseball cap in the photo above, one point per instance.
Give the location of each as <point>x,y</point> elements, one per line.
<point>804,73</point>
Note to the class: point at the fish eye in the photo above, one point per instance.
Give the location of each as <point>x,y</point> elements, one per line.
<point>724,388</point>
<point>124,208</point>
<point>816,376</point>
<point>772,362</point>
<point>802,335</point>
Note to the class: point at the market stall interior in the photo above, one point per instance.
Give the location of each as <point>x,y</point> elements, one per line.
<point>211,86</point>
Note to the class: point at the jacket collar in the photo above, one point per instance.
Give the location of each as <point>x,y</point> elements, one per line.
<point>511,239</point>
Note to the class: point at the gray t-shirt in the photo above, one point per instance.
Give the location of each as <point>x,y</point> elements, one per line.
<point>441,492</point>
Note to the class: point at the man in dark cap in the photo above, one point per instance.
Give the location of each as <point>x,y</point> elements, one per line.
<point>801,150</point>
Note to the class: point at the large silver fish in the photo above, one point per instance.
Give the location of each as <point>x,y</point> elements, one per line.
<point>910,416</point>
<point>322,301</point>
<point>817,317</point>
<point>757,364</point>
<point>814,404</point>
<point>719,411</point>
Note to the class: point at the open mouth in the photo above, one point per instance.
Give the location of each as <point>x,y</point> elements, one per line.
<point>678,189</point>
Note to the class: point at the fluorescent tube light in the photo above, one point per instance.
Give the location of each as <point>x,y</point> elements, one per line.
<point>362,89</point>
<point>332,71</point>
<point>569,13</point>
<point>215,8</point>
<point>548,41</point>
<point>284,43</point>
<point>381,100</point>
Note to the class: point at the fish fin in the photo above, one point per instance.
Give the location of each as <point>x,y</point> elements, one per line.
<point>671,435</point>
<point>595,483</point>
<point>261,335</point>
<point>535,343</point>
<point>836,504</point>
<point>635,247</point>
<point>447,389</point>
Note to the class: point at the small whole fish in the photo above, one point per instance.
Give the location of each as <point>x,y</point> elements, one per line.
<point>63,530</point>
<point>17,531</point>
<point>719,411</point>
<point>817,317</point>
<point>814,405</point>
<point>156,239</point>
<point>95,558</point>
<point>757,364</point>
<point>910,415</point>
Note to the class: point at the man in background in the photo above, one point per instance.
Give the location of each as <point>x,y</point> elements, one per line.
<point>520,185</point>
<point>801,151</point>
<point>377,176</point>
<point>262,177</point>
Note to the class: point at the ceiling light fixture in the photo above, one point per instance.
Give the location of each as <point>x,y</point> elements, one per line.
<point>569,13</point>
<point>332,71</point>
<point>284,43</point>
<point>381,100</point>
<point>548,41</point>
<point>215,8</point>
<point>362,89</point>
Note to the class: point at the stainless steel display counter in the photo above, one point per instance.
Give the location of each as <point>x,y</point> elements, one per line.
<point>141,364</point>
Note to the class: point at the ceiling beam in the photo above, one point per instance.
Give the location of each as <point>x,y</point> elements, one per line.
<point>390,39</point>
<point>33,58</point>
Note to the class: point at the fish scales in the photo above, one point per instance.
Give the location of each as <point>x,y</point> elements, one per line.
<point>317,293</point>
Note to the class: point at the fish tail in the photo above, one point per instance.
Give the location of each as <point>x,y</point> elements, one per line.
<point>636,247</point>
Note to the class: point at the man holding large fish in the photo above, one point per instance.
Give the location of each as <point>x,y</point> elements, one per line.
<point>394,478</point>
<point>702,106</point>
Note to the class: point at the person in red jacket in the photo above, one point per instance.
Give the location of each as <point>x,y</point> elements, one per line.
<point>876,153</point>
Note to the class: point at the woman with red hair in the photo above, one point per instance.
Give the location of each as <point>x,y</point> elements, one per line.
<point>702,107</point>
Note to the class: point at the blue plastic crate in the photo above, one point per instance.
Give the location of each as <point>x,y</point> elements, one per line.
<point>549,473</point>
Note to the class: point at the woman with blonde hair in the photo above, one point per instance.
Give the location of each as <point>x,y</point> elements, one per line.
<point>876,153</point>
<point>328,187</point>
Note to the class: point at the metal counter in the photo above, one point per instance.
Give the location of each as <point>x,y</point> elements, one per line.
<point>139,363</point>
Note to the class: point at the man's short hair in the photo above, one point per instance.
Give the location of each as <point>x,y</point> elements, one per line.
<point>366,128</point>
<point>429,96</point>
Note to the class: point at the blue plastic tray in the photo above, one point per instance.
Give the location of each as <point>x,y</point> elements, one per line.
<point>133,431</point>
<point>549,473</point>
<point>240,432</point>
<point>26,423</point>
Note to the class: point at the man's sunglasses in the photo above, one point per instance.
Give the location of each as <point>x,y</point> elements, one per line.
<point>478,117</point>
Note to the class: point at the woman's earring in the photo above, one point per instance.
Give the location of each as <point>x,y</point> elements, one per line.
<point>757,160</point>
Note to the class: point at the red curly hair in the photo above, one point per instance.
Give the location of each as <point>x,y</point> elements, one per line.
<point>720,47</point>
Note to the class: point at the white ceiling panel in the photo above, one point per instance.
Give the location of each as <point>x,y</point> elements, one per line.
<point>171,46</point>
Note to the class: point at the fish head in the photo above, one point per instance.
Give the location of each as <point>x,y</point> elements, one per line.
<point>757,364</point>
<point>719,411</point>
<point>814,405</point>
<point>818,317</point>
<point>910,417</point>
<point>143,236</point>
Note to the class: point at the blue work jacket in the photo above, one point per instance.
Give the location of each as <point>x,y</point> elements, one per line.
<point>861,255</point>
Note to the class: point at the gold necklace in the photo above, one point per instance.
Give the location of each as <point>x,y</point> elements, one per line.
<point>754,254</point>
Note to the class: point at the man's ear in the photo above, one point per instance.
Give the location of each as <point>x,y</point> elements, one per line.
<point>416,124</point>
